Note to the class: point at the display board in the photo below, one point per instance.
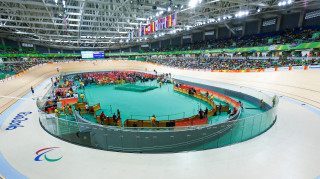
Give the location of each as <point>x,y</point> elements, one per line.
<point>92,54</point>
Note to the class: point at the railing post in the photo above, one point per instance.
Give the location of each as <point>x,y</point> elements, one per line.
<point>252,126</point>
<point>244,120</point>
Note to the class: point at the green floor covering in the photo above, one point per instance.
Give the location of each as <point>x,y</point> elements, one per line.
<point>161,102</point>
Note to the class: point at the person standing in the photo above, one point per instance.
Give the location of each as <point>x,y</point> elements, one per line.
<point>82,96</point>
<point>118,113</point>
<point>153,121</point>
<point>114,118</point>
<point>201,113</point>
<point>206,111</point>
<point>220,106</point>
<point>261,103</point>
<point>102,117</point>
<point>274,100</point>
<point>32,91</point>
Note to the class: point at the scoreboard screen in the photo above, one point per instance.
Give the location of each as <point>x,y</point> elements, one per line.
<point>92,54</point>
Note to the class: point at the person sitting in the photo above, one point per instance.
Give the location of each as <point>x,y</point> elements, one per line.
<point>234,111</point>
<point>229,112</point>
<point>134,124</point>
<point>69,109</point>
<point>57,112</point>
<point>87,107</point>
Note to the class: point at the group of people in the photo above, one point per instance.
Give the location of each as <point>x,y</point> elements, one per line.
<point>114,117</point>
<point>222,63</point>
<point>14,68</point>
<point>203,114</point>
<point>192,91</point>
<point>293,35</point>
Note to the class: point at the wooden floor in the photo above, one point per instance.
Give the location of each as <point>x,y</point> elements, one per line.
<point>290,149</point>
<point>302,85</point>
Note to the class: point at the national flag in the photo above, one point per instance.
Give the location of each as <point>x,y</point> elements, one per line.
<point>149,28</point>
<point>174,19</point>
<point>167,21</point>
<point>152,27</point>
<point>164,23</point>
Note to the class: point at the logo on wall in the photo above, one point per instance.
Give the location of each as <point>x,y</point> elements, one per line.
<point>43,153</point>
<point>16,122</point>
<point>273,47</point>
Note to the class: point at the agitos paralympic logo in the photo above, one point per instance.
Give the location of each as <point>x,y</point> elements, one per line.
<point>43,152</point>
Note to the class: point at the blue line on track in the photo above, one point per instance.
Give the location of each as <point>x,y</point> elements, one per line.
<point>6,169</point>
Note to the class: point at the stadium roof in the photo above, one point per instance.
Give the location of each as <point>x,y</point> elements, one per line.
<point>85,24</point>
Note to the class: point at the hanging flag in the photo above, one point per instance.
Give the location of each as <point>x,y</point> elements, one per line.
<point>152,27</point>
<point>164,23</point>
<point>174,19</point>
<point>65,20</point>
<point>149,28</point>
<point>170,20</point>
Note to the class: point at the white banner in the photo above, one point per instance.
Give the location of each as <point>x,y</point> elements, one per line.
<point>314,67</point>
<point>283,68</point>
<point>269,69</point>
<point>298,68</point>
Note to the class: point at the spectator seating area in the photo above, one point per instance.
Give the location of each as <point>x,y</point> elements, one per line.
<point>295,35</point>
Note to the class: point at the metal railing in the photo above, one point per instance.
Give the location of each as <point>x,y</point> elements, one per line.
<point>164,139</point>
